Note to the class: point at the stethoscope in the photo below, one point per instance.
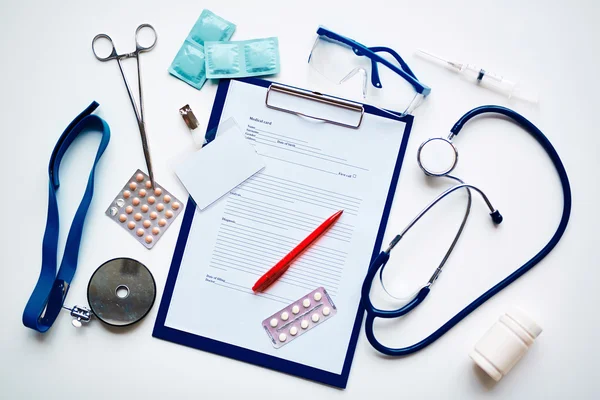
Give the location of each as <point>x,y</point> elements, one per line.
<point>429,155</point>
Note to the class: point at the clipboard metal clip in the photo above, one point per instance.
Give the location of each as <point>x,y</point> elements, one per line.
<point>348,114</point>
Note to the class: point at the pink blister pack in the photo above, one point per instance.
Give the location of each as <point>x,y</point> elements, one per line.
<point>301,316</point>
<point>144,210</point>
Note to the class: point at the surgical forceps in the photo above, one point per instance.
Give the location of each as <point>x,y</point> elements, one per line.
<point>139,114</point>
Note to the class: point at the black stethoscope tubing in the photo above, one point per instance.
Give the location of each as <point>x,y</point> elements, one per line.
<point>380,261</point>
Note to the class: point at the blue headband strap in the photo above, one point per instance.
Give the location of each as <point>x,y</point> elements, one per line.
<point>51,288</point>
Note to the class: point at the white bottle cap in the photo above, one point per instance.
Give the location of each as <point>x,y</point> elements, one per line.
<point>505,343</point>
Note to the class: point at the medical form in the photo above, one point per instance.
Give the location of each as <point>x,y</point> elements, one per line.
<point>312,169</point>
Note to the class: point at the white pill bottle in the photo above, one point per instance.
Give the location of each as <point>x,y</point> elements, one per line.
<point>505,343</point>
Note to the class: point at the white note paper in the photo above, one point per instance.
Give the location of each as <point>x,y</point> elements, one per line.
<point>210,173</point>
<point>312,170</point>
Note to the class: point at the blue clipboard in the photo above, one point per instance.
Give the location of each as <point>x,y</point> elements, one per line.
<point>225,349</point>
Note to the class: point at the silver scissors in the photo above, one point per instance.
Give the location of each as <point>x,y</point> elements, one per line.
<point>139,115</point>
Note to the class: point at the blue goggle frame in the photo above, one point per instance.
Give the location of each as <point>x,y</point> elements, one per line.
<point>370,52</point>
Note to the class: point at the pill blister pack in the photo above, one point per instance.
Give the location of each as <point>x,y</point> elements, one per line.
<point>143,210</point>
<point>299,317</point>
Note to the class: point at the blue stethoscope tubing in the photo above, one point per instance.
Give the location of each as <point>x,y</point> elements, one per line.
<point>383,257</point>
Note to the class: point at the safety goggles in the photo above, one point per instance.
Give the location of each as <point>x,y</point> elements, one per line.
<point>342,60</point>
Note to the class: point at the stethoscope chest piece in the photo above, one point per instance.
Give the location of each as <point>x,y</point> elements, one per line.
<point>437,156</point>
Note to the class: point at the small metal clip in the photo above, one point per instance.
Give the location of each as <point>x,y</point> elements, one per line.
<point>79,314</point>
<point>356,108</point>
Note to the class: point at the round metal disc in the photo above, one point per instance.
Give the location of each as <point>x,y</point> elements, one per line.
<point>121,292</point>
<point>437,156</point>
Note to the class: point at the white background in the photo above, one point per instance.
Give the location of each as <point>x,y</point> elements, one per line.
<point>49,75</point>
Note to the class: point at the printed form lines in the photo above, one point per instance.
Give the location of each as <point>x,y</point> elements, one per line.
<point>284,222</point>
<point>281,142</point>
<point>296,193</point>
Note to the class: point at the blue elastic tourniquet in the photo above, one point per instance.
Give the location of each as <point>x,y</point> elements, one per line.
<point>51,289</point>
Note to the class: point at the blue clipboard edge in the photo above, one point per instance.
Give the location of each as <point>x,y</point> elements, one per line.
<point>239,353</point>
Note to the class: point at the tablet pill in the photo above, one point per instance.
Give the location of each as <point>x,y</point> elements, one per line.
<point>139,177</point>
<point>284,316</point>
<point>153,215</point>
<point>304,324</point>
<point>160,207</point>
<point>128,209</point>
<point>317,296</point>
<point>273,322</point>
<point>135,201</point>
<point>175,206</point>
<point>120,202</point>
<point>131,225</point>
<point>132,186</point>
<point>147,224</point>
<point>137,216</point>
<point>140,232</point>
<point>122,217</point>
<point>306,303</point>
<point>293,331</point>
<point>148,184</point>
<point>155,231</point>
<point>326,311</point>
<point>315,317</point>
<point>142,192</point>
<point>295,309</point>
<point>157,191</point>
<point>162,222</point>
<point>151,200</point>
<point>149,239</point>
<point>169,214</point>
<point>145,208</point>
<point>167,198</point>
<point>127,194</point>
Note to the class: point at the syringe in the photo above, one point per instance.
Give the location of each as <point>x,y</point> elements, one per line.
<point>484,78</point>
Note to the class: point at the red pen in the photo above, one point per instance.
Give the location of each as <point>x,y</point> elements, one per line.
<point>279,269</point>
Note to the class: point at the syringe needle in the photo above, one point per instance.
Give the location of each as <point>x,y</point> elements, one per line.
<point>449,63</point>
<point>432,56</point>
